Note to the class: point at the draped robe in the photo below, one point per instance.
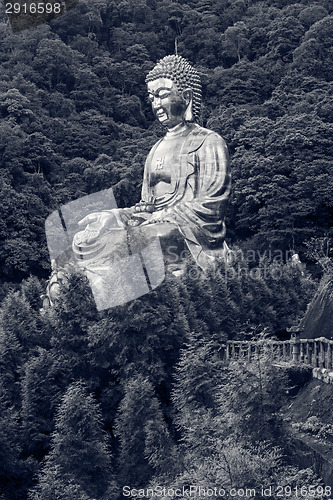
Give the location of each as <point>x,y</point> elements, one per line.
<point>190,187</point>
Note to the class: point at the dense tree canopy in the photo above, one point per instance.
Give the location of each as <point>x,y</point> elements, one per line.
<point>136,382</point>
<point>73,90</point>
<point>92,400</point>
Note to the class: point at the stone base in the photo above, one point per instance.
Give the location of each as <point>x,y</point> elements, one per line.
<point>323,374</point>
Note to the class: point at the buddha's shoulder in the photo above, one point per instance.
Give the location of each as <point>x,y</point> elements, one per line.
<point>199,135</point>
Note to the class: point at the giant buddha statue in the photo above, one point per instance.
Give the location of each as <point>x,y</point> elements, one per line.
<point>186,184</point>
<point>186,180</point>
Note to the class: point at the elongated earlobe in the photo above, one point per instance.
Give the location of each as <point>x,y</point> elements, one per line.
<point>188,116</point>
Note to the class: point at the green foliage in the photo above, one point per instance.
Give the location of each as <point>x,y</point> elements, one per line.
<point>21,330</point>
<point>250,397</point>
<point>298,376</point>
<point>80,456</point>
<point>227,437</point>
<point>145,444</point>
<point>10,446</point>
<point>52,484</point>
<point>271,173</point>
<point>197,374</point>
<point>316,428</point>
<point>41,390</point>
<point>142,336</point>
<point>68,321</point>
<point>250,291</point>
<point>163,393</point>
<point>74,90</point>
<point>74,120</point>
<point>314,56</point>
<point>234,466</point>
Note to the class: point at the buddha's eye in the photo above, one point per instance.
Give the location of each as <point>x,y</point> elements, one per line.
<point>162,95</point>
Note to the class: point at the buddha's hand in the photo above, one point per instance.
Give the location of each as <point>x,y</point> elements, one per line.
<point>138,218</point>
<point>97,224</point>
<point>157,217</point>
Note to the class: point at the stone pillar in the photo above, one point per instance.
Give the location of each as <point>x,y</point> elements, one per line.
<point>321,353</point>
<point>294,348</point>
<point>316,354</point>
<point>224,351</point>
<point>301,352</point>
<point>307,359</point>
<point>256,351</point>
<point>329,355</point>
<point>249,352</point>
<point>312,352</point>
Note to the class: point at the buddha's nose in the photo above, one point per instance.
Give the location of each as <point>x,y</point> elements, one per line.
<point>156,103</point>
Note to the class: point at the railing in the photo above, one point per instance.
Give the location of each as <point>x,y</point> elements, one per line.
<point>315,352</point>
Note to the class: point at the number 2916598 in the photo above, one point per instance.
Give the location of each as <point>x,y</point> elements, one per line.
<point>304,492</point>
<point>33,8</point>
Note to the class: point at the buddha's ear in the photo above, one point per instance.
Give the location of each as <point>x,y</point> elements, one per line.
<point>187,95</point>
<point>188,98</point>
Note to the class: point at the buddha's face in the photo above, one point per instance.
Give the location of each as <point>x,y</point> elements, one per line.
<point>167,102</point>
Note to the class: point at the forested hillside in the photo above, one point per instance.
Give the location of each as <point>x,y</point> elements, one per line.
<point>75,117</point>
<point>93,401</point>
<point>138,395</point>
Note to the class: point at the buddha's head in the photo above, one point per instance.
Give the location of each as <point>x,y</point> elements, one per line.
<point>174,90</point>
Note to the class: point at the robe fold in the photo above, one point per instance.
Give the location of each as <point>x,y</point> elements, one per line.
<point>196,199</point>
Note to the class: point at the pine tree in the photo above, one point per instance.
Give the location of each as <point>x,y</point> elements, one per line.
<point>218,411</point>
<point>145,445</point>
<point>32,289</point>
<point>53,485</point>
<point>197,373</point>
<point>80,453</point>
<point>196,378</point>
<point>198,288</point>
<point>42,384</point>
<point>20,332</point>
<point>291,288</point>
<point>10,447</point>
<point>225,306</point>
<point>69,319</point>
<point>143,336</point>
<point>250,396</point>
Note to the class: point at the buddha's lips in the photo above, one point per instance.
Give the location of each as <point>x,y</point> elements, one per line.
<point>161,113</point>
